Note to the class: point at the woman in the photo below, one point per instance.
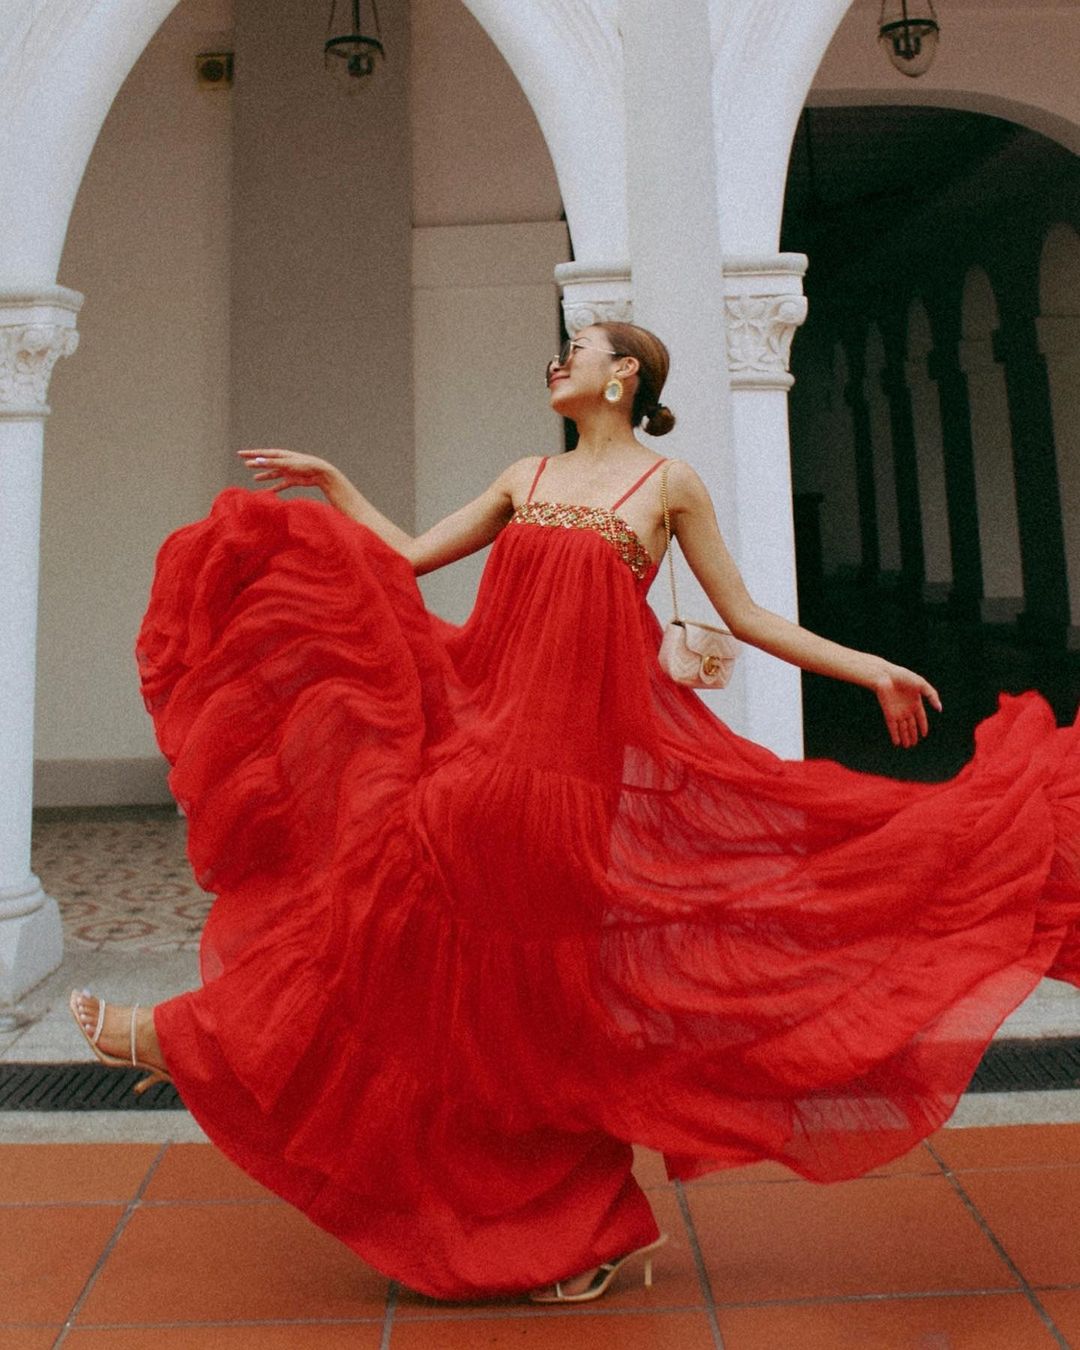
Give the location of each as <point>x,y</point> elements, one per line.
<point>496,901</point>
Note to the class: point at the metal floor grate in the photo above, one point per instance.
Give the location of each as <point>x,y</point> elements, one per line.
<point>1008,1066</point>
<point>80,1087</point>
<point>1042,1065</point>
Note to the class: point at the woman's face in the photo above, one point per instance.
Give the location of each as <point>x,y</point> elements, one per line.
<point>576,379</point>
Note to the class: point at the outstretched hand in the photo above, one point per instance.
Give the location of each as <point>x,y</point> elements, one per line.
<point>286,468</point>
<point>903,696</point>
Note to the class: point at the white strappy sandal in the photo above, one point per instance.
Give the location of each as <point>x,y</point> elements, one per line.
<point>154,1074</point>
<point>603,1277</point>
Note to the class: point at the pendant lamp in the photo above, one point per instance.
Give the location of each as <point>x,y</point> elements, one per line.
<point>909,31</point>
<point>352,55</point>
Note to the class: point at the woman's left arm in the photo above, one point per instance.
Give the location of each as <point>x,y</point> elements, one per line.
<point>901,693</point>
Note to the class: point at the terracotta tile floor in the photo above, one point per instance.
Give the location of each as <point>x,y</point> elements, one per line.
<point>972,1242</point>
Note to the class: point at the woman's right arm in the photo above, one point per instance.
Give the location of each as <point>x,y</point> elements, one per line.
<point>464,531</point>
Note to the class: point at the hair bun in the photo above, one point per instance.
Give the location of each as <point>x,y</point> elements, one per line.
<point>659,420</point>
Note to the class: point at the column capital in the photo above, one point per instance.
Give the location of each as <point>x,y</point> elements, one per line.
<point>763,306</point>
<point>37,328</point>
<point>595,293</point>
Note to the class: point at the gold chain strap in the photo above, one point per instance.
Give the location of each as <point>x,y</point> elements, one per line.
<point>667,535</point>
<point>712,628</point>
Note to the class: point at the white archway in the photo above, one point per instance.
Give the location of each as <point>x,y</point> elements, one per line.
<point>567,57</point>
<point>765,58</point>
<point>61,65</point>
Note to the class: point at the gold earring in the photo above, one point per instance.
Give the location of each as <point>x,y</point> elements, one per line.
<point>613,390</point>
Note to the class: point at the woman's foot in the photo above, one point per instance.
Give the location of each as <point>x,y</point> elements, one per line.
<point>120,1035</point>
<point>592,1283</point>
<point>577,1284</point>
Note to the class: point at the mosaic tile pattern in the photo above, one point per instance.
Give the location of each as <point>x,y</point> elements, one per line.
<point>122,881</point>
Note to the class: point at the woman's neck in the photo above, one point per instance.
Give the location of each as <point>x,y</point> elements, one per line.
<point>603,432</point>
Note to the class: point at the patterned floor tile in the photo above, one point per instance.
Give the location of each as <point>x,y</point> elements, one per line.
<point>123,884</point>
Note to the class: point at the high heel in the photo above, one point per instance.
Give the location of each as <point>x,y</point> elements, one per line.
<point>154,1074</point>
<point>605,1273</point>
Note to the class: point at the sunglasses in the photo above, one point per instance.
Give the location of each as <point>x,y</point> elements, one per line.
<point>566,355</point>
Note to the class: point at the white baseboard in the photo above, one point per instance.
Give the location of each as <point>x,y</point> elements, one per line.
<point>101,782</point>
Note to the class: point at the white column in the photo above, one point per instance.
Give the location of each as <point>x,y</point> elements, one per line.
<point>764,304</point>
<point>1059,342</point>
<point>840,517</point>
<point>877,403</point>
<point>35,331</point>
<point>995,483</point>
<point>930,458</point>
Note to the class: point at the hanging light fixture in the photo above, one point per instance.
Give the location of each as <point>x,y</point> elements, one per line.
<point>352,54</point>
<point>909,31</point>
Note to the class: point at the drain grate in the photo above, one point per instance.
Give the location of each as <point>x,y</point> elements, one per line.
<point>1029,1066</point>
<point>80,1087</point>
<point>1007,1066</point>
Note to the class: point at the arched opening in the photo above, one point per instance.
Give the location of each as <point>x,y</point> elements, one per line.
<point>280,262</point>
<point>931,235</point>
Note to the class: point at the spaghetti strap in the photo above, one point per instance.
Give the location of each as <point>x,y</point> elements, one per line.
<point>647,474</point>
<point>540,470</point>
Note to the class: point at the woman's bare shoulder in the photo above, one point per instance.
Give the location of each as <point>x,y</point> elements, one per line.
<point>685,487</point>
<point>517,478</point>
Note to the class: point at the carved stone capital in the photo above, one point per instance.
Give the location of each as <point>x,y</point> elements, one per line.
<point>36,330</point>
<point>763,306</point>
<point>595,293</point>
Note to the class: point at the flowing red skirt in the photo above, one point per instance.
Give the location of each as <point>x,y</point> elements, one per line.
<point>495,902</point>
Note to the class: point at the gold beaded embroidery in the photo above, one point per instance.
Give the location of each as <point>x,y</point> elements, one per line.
<point>613,528</point>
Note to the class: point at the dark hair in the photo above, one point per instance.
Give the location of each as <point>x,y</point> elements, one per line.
<point>653,362</point>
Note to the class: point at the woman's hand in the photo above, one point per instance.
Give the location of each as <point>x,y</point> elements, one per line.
<point>287,468</point>
<point>901,694</point>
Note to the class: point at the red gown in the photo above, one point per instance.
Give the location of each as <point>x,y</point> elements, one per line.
<point>495,901</point>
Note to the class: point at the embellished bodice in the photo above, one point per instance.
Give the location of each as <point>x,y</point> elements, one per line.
<point>566,516</point>
<point>602,520</point>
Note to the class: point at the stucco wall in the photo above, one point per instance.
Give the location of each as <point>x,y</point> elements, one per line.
<point>247,261</point>
<point>137,437</point>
